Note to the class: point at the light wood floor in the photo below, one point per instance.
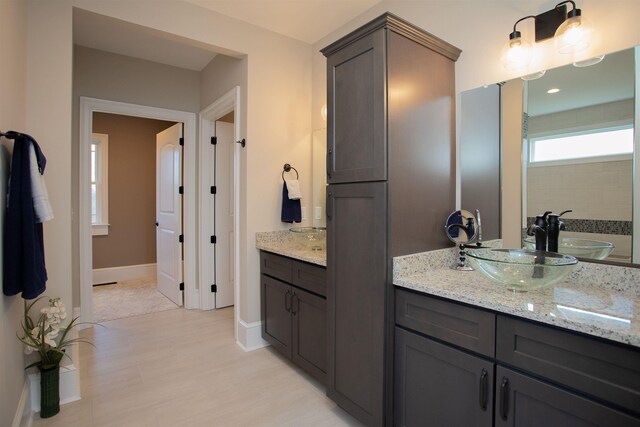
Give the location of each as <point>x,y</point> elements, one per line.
<point>183,368</point>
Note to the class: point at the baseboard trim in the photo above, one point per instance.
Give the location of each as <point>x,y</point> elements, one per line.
<point>250,335</point>
<point>24,414</point>
<point>127,272</point>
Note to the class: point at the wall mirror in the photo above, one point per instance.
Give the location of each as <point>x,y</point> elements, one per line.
<point>573,136</point>
<point>319,171</point>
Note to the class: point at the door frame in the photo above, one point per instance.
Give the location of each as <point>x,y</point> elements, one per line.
<point>223,105</point>
<point>87,107</point>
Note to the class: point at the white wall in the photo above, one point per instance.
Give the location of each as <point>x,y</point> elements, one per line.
<point>278,112</point>
<point>481,28</point>
<point>13,39</point>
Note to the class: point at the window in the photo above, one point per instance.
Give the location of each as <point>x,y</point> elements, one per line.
<point>594,145</point>
<point>99,184</point>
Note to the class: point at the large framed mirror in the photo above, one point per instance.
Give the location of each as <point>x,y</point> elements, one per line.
<point>567,140</point>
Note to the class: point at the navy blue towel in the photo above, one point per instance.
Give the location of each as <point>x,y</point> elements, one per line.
<point>24,268</point>
<point>291,210</point>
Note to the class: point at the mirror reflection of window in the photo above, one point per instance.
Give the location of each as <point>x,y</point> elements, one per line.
<point>99,184</point>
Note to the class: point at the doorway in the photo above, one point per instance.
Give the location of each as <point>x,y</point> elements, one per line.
<point>125,197</point>
<point>219,203</point>
<point>89,106</point>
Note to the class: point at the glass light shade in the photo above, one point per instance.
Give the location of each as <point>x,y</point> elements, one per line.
<point>573,35</point>
<point>517,54</point>
<point>323,112</point>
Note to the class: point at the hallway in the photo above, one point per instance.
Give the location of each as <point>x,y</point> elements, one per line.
<point>183,368</point>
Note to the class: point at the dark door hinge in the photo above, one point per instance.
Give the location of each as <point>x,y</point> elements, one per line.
<point>181,141</point>
<point>214,140</point>
<point>181,190</point>
<point>214,288</point>
<point>181,238</point>
<point>213,189</point>
<point>182,286</point>
<point>213,240</point>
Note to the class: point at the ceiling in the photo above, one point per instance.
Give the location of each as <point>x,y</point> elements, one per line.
<point>305,20</point>
<point>613,79</point>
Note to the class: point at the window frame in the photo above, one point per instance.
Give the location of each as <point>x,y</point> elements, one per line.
<point>101,142</point>
<point>576,160</point>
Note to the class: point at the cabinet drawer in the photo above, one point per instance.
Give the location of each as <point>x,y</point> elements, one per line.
<point>276,266</point>
<point>608,371</point>
<point>310,277</point>
<point>467,327</point>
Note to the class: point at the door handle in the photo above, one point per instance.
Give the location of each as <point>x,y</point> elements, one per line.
<point>484,389</point>
<point>296,301</point>
<point>504,398</point>
<point>329,161</point>
<point>157,224</point>
<point>329,205</point>
<point>287,301</point>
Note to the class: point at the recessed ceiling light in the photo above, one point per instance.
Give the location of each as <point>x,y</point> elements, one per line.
<point>554,90</point>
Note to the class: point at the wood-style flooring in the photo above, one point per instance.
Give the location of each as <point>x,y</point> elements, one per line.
<point>183,368</point>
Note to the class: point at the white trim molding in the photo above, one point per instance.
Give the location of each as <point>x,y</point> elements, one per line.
<point>127,272</point>
<point>250,335</point>
<point>223,105</point>
<point>87,107</point>
<point>24,413</point>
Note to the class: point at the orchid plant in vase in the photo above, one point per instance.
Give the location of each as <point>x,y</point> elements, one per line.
<point>47,337</point>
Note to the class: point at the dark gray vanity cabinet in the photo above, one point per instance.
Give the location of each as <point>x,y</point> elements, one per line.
<point>544,376</point>
<point>439,385</point>
<point>391,176</point>
<point>293,311</point>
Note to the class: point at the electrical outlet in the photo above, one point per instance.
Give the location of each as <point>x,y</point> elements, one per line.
<point>304,213</point>
<point>318,212</point>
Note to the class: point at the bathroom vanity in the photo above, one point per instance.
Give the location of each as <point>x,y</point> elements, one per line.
<point>469,352</point>
<point>293,301</point>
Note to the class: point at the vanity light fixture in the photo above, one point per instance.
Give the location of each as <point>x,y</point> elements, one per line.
<point>569,30</point>
<point>534,76</point>
<point>589,62</point>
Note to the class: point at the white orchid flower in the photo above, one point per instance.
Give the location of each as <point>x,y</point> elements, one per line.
<point>28,349</point>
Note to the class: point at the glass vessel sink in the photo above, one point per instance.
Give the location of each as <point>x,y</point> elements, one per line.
<point>312,238</point>
<point>522,270</point>
<point>583,248</point>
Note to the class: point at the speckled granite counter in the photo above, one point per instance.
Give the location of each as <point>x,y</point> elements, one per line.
<point>595,299</point>
<point>282,243</point>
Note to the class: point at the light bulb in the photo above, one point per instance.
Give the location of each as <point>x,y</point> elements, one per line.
<point>517,53</point>
<point>573,35</point>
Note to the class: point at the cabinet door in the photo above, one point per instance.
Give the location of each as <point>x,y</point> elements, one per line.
<point>356,128</point>
<point>440,386</point>
<point>309,323</point>
<point>275,300</point>
<point>356,279</point>
<point>524,401</point>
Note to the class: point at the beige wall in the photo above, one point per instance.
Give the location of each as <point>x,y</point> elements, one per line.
<point>132,190</point>
<point>13,38</point>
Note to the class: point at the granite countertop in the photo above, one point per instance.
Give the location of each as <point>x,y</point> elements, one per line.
<point>595,299</point>
<point>282,243</point>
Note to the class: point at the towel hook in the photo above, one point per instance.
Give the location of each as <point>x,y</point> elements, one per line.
<point>287,168</point>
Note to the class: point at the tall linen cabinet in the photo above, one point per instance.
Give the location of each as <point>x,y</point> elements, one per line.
<point>391,186</point>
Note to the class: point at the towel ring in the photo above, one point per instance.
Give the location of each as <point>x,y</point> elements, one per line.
<point>287,168</point>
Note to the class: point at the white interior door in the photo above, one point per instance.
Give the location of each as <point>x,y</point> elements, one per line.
<point>169,212</point>
<point>223,224</point>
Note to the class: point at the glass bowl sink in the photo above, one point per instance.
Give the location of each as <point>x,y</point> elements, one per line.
<point>583,248</point>
<point>522,270</point>
<point>312,238</point>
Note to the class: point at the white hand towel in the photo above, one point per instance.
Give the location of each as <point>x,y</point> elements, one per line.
<point>41,204</point>
<point>293,187</point>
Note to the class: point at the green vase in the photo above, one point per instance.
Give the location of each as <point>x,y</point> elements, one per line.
<point>49,391</point>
